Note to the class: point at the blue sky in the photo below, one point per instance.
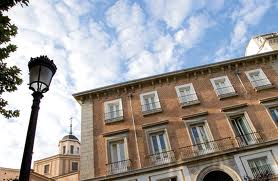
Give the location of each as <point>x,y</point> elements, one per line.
<point>101,42</point>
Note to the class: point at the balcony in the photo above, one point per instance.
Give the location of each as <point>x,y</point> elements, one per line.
<point>261,173</point>
<point>162,158</point>
<point>118,167</point>
<point>225,92</point>
<point>206,148</point>
<point>188,100</point>
<point>113,116</point>
<point>151,108</point>
<point>261,84</point>
<point>249,139</point>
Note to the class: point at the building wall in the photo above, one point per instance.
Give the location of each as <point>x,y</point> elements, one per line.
<point>178,133</point>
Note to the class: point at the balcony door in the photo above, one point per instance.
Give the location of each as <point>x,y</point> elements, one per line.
<point>200,138</point>
<point>243,130</point>
<point>114,110</point>
<point>149,102</point>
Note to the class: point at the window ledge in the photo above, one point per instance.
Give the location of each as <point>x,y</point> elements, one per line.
<point>153,111</point>
<point>186,104</point>
<point>228,95</point>
<point>264,87</point>
<point>114,120</point>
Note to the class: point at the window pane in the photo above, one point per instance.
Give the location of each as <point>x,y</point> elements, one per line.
<point>195,135</point>
<point>74,166</point>
<point>71,149</point>
<point>155,144</point>
<point>162,142</point>
<point>274,113</point>
<point>122,151</point>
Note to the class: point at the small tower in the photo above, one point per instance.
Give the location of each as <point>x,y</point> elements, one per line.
<point>69,145</point>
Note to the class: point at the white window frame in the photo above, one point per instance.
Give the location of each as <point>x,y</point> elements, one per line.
<point>157,107</point>
<point>194,94</point>
<point>228,85</point>
<point>115,138</point>
<point>243,165</point>
<point>202,120</point>
<point>262,77</point>
<point>109,119</point>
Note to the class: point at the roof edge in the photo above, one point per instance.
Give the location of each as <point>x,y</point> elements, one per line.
<point>172,73</point>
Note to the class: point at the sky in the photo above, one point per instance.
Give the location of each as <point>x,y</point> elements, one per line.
<point>101,42</point>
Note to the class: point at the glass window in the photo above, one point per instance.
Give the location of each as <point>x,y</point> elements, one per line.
<point>158,142</point>
<point>257,78</point>
<point>113,110</point>
<point>64,149</point>
<point>77,149</point>
<point>46,169</point>
<point>274,113</point>
<point>117,151</point>
<point>222,85</point>
<point>150,102</point>
<point>186,93</point>
<point>71,149</point>
<point>200,136</point>
<point>260,167</point>
<point>74,166</point>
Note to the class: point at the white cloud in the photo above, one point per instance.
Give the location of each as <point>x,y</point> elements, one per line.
<point>171,12</point>
<point>197,26</point>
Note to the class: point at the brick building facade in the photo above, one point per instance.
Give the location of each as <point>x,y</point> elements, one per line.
<point>213,121</point>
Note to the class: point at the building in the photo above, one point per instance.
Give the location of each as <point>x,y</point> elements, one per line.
<point>61,167</point>
<point>262,43</point>
<point>212,122</point>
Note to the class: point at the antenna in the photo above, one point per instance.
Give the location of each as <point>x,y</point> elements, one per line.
<point>70,126</point>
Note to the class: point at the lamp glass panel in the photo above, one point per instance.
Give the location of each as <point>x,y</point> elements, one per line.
<point>33,77</point>
<point>46,75</point>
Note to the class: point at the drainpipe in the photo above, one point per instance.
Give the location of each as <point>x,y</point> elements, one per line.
<point>237,74</point>
<point>134,128</point>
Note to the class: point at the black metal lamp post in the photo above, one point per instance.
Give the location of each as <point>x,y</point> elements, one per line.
<point>41,71</point>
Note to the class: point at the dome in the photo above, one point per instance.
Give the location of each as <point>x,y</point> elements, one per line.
<point>70,136</point>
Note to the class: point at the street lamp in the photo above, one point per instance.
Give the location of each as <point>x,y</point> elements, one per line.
<point>41,71</point>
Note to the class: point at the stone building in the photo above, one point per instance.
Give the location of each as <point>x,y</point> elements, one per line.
<point>211,122</point>
<point>61,167</point>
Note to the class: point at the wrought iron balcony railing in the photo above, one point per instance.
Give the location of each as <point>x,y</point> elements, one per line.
<point>206,148</point>
<point>188,99</point>
<point>151,107</point>
<point>118,167</point>
<point>260,83</point>
<point>225,91</point>
<point>249,139</point>
<point>113,116</point>
<point>260,173</point>
<point>162,157</point>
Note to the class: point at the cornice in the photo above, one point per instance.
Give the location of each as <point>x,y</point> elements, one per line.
<point>130,86</point>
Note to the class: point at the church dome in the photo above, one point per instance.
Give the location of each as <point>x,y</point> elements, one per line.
<point>70,136</point>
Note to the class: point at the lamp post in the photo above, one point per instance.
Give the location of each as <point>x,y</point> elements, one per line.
<point>41,71</point>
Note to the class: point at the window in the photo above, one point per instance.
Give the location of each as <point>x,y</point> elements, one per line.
<point>200,137</point>
<point>274,113</point>
<point>150,102</point>
<point>71,149</point>
<point>117,151</point>
<point>118,161</point>
<point>187,94</point>
<point>158,142</point>
<point>77,150</point>
<point>113,111</point>
<point>64,149</point>
<point>223,86</point>
<point>74,166</point>
<point>258,79</point>
<point>160,148</point>
<point>260,167</point>
<point>46,169</point>
<point>243,131</point>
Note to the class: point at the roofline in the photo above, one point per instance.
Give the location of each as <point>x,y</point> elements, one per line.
<point>262,35</point>
<point>56,156</point>
<point>172,73</point>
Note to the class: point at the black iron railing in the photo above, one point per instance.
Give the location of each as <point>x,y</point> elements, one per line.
<point>113,116</point>
<point>151,107</point>
<point>206,148</point>
<point>261,173</point>
<point>188,99</point>
<point>162,157</point>
<point>118,167</point>
<point>225,90</point>
<point>249,139</point>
